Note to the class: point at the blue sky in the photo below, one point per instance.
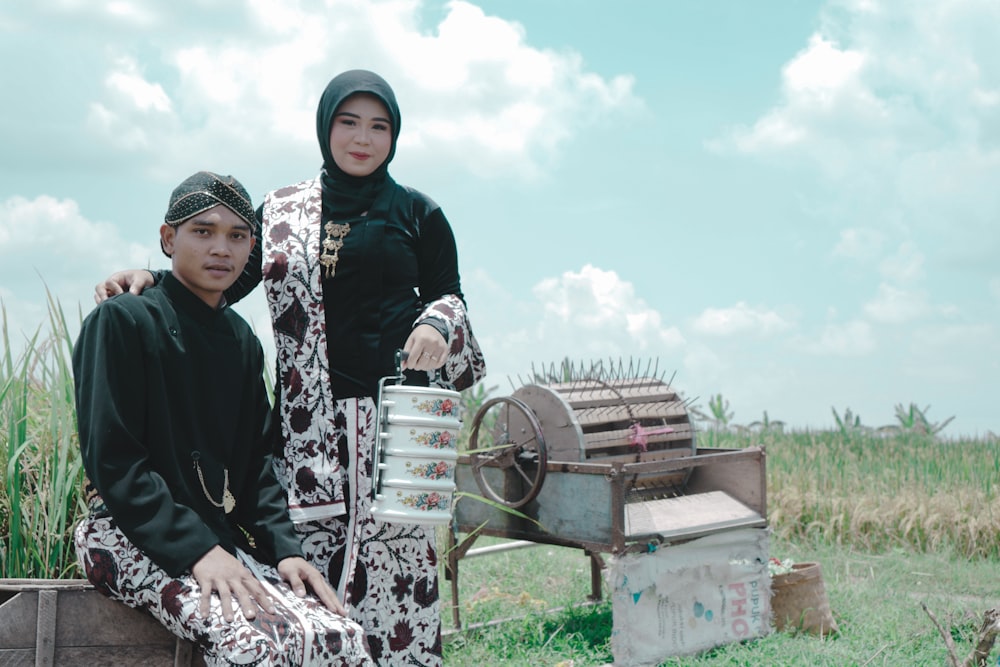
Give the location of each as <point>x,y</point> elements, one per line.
<point>793,204</point>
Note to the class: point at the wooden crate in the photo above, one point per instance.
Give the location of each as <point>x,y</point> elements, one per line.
<point>67,622</point>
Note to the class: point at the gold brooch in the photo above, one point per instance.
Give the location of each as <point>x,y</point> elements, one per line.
<point>334,241</point>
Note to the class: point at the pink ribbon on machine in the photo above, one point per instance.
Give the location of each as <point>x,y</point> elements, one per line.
<point>640,436</point>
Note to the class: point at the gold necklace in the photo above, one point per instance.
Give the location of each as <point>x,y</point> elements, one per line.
<point>334,241</point>
<point>228,501</point>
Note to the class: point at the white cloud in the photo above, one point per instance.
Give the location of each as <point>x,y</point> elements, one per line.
<point>822,71</point>
<point>587,316</point>
<point>918,74</point>
<point>283,17</point>
<point>475,96</point>
<point>952,191</point>
<point>491,101</point>
<point>823,94</point>
<point>598,302</point>
<point>853,339</point>
<point>893,305</point>
<point>906,266</point>
<point>131,110</point>
<point>53,230</point>
<point>130,12</point>
<point>939,366</point>
<point>738,320</point>
<point>143,95</point>
<point>880,87</point>
<point>861,244</point>
<point>47,243</point>
<point>896,107</point>
<point>705,367</point>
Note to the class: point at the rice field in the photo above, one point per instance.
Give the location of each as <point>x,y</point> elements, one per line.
<point>874,490</point>
<point>40,498</point>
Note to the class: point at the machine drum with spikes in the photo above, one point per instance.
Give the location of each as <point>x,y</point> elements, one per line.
<point>612,419</point>
<point>601,456</point>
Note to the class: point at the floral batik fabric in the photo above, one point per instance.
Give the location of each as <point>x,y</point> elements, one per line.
<point>385,572</point>
<point>464,365</point>
<point>308,467</point>
<point>300,632</point>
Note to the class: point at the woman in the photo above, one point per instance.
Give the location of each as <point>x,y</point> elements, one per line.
<point>356,267</point>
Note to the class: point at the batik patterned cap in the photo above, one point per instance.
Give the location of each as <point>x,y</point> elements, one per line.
<point>203,191</point>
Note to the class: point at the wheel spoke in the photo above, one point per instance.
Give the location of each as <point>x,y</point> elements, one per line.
<point>524,445</point>
<point>515,437</point>
<point>523,474</point>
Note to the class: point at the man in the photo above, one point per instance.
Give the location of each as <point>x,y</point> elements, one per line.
<point>187,519</point>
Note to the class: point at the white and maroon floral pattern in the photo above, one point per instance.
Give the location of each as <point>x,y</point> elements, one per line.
<point>386,572</point>
<point>308,469</point>
<point>301,631</point>
<point>465,364</point>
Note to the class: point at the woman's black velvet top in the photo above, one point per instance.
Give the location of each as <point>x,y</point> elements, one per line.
<point>395,260</point>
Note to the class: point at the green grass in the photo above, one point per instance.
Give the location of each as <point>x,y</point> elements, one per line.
<point>40,499</point>
<point>875,599</point>
<point>896,518</point>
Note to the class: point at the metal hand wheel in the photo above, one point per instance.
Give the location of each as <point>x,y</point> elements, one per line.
<point>506,435</point>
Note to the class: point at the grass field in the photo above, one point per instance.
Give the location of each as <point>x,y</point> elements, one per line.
<point>875,598</point>
<point>896,518</point>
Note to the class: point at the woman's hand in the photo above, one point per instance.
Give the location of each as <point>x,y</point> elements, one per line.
<point>298,572</point>
<point>426,347</point>
<point>133,280</point>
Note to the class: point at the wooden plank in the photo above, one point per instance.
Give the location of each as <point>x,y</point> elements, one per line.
<point>614,396</point>
<point>45,630</point>
<point>670,412</point>
<point>622,438</point>
<point>116,656</point>
<point>83,628</point>
<point>18,585</point>
<point>183,653</point>
<point>106,656</point>
<point>98,620</point>
<point>561,431</point>
<point>689,516</point>
<point>645,457</point>
<point>740,473</point>
<point>17,657</point>
<point>652,480</point>
<point>18,617</point>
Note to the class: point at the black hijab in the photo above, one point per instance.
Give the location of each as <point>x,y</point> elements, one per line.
<point>345,195</point>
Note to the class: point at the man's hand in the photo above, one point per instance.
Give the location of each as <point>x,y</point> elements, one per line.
<point>218,570</point>
<point>133,280</point>
<point>297,572</point>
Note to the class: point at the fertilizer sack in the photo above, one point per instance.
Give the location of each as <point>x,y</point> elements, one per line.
<point>686,598</point>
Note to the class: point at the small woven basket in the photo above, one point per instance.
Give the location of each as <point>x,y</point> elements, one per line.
<point>799,601</point>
